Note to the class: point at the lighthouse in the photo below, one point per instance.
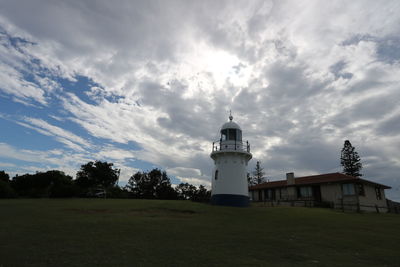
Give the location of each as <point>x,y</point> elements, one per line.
<point>230,155</point>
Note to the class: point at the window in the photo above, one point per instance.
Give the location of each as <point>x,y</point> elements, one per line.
<point>360,190</point>
<point>378,193</point>
<point>269,194</point>
<point>232,134</point>
<point>224,134</point>
<point>348,189</point>
<point>239,135</point>
<point>216,175</point>
<point>283,193</point>
<point>305,191</point>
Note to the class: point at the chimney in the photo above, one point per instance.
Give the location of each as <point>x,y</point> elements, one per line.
<point>290,178</point>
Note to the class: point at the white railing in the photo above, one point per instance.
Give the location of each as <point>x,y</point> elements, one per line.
<point>232,145</point>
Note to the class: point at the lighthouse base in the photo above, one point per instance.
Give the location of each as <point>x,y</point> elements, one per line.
<point>230,200</point>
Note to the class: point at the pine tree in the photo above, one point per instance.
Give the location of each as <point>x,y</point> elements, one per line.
<point>250,180</point>
<point>350,160</point>
<point>258,174</point>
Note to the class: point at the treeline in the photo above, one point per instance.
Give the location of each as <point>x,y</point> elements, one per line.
<point>98,179</point>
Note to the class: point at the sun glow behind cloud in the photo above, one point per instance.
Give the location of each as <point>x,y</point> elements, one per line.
<point>223,66</point>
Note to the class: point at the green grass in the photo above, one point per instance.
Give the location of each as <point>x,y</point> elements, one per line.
<point>98,232</point>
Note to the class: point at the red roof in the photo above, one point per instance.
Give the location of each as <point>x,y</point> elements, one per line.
<point>317,179</point>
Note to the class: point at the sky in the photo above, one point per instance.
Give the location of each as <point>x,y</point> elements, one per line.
<point>148,84</point>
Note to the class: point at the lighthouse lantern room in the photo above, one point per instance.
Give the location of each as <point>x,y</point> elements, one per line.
<point>230,155</point>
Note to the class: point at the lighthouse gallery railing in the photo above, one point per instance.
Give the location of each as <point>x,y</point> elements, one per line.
<point>241,146</point>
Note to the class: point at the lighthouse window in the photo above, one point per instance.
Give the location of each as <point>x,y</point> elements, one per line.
<point>216,174</point>
<point>232,134</point>
<point>224,134</point>
<point>239,135</point>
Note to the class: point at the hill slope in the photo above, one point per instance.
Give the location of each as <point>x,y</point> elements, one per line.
<point>85,232</point>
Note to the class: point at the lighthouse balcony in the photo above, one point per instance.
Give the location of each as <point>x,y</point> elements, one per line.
<point>231,146</point>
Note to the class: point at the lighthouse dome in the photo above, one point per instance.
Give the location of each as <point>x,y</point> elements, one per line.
<point>231,131</point>
<point>230,125</point>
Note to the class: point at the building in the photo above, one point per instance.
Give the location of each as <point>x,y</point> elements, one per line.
<point>335,190</point>
<point>231,156</point>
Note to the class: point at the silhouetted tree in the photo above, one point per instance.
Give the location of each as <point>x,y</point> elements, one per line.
<point>154,184</point>
<point>185,191</point>
<point>258,175</point>
<point>24,185</point>
<point>61,185</point>
<point>52,183</point>
<point>6,191</point>
<point>250,180</point>
<point>350,160</point>
<point>136,184</point>
<point>4,176</point>
<point>94,176</point>
<point>202,194</point>
<point>117,192</point>
<point>164,189</point>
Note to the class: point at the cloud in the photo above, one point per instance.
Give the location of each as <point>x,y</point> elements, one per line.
<point>13,83</point>
<point>300,77</point>
<point>54,157</point>
<point>190,175</point>
<point>58,132</point>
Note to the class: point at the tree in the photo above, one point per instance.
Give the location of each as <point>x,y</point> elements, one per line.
<point>94,176</point>
<point>52,183</point>
<point>350,160</point>
<point>61,185</point>
<point>4,176</point>
<point>153,184</point>
<point>164,189</point>
<point>117,192</point>
<point>6,191</point>
<point>258,175</point>
<point>250,180</point>
<point>137,185</point>
<point>202,194</point>
<point>185,191</point>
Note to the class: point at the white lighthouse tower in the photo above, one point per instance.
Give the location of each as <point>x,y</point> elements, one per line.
<point>229,179</point>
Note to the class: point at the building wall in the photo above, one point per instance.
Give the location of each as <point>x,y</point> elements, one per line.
<point>255,195</point>
<point>260,195</point>
<point>331,192</point>
<point>284,194</point>
<point>370,200</point>
<point>291,193</point>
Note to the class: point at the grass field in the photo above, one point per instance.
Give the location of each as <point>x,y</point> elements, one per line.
<point>98,232</point>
